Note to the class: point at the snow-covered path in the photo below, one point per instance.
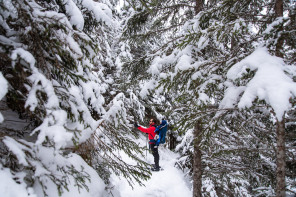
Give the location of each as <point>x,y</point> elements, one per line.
<point>167,183</point>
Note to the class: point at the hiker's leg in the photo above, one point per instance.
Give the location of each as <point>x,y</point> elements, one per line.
<point>156,156</point>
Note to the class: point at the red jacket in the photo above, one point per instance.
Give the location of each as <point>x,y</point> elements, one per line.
<point>149,130</point>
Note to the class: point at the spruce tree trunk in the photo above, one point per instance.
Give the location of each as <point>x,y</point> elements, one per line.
<point>198,6</point>
<point>280,159</point>
<point>279,13</point>
<point>280,129</point>
<point>172,141</point>
<point>197,168</point>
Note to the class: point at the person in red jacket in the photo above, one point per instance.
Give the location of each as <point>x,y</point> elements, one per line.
<point>152,141</point>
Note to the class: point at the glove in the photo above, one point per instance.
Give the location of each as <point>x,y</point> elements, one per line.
<point>156,137</point>
<point>136,125</point>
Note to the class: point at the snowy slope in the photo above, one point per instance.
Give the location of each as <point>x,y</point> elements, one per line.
<point>167,183</point>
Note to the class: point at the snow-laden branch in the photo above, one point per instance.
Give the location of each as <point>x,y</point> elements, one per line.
<point>271,83</point>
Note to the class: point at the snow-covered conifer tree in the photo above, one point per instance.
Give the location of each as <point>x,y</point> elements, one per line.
<point>58,60</point>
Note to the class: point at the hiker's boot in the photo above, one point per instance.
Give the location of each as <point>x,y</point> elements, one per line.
<point>155,168</point>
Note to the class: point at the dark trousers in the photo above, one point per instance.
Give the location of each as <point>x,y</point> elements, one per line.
<point>155,154</point>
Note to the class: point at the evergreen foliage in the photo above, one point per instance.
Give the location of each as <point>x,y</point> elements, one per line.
<point>191,67</point>
<point>77,74</point>
<point>58,59</point>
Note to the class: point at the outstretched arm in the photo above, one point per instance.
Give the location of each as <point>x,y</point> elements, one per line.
<point>146,130</point>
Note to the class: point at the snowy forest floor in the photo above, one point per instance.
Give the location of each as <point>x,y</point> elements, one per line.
<point>170,182</point>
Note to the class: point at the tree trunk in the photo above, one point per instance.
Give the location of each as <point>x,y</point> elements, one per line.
<point>172,141</point>
<point>280,129</point>
<point>280,159</point>
<point>197,168</point>
<point>279,13</point>
<point>279,9</point>
<point>198,6</point>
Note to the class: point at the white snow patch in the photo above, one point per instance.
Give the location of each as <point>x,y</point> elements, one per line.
<point>76,17</point>
<point>270,82</point>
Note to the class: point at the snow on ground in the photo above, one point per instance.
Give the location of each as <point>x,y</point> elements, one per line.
<point>167,183</point>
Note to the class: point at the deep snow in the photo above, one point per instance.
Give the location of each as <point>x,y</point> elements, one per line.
<point>170,182</point>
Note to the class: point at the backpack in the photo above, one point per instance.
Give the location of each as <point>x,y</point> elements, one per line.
<point>161,131</point>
